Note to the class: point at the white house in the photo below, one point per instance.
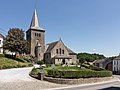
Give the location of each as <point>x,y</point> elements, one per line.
<point>1,43</point>
<point>116,64</point>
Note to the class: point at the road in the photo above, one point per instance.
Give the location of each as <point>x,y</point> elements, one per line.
<point>17,74</point>
<point>19,79</point>
<point>113,85</point>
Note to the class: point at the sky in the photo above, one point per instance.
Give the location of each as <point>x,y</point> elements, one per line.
<point>91,26</point>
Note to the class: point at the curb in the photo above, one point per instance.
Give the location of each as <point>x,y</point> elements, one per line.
<point>82,85</point>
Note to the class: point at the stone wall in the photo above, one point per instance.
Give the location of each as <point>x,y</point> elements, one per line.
<point>77,81</point>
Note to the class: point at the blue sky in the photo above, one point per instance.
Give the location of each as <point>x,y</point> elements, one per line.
<point>91,26</point>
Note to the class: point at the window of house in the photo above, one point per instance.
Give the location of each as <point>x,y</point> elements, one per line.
<point>0,50</point>
<point>62,51</point>
<point>0,42</point>
<point>114,63</point>
<point>56,51</point>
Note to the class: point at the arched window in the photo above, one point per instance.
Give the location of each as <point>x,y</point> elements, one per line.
<point>62,51</point>
<point>56,51</point>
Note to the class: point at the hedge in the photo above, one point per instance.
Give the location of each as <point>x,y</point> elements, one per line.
<point>77,73</point>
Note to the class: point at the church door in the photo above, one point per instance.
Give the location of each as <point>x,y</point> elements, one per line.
<point>63,61</point>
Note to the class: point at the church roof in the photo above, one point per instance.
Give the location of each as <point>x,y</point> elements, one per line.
<point>52,45</point>
<point>35,22</point>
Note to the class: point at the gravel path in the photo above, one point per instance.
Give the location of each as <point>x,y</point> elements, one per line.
<point>19,79</point>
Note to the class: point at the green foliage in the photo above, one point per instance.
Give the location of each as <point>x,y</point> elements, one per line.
<point>35,72</point>
<point>1,55</point>
<point>89,57</point>
<point>6,63</point>
<point>15,41</point>
<point>77,73</point>
<point>40,62</point>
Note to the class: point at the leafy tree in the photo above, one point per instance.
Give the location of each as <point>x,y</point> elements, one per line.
<point>89,57</point>
<point>15,41</point>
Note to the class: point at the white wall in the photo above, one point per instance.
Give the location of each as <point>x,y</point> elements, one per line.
<point>1,45</point>
<point>116,65</point>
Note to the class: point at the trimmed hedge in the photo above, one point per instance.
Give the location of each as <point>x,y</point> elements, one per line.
<point>77,74</point>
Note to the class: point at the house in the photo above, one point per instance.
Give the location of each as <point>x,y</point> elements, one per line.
<point>55,52</point>
<point>104,63</point>
<point>116,64</point>
<point>1,43</point>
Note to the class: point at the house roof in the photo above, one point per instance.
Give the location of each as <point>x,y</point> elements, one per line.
<point>117,58</point>
<point>1,36</point>
<point>106,60</point>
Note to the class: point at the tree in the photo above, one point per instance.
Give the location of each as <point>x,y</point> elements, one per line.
<point>89,57</point>
<point>15,41</point>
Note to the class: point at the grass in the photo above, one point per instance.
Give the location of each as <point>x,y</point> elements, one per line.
<point>6,63</point>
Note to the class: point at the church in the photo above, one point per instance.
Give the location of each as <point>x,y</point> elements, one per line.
<point>52,53</point>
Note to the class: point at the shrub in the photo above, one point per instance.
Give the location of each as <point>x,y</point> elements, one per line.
<point>1,55</point>
<point>35,72</point>
<point>78,73</point>
<point>40,62</point>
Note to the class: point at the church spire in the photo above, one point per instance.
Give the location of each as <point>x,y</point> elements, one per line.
<point>35,22</point>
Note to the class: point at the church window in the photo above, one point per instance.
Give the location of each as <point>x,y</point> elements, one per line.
<point>62,51</point>
<point>39,34</point>
<point>56,51</point>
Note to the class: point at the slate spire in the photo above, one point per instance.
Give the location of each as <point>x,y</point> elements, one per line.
<point>35,21</point>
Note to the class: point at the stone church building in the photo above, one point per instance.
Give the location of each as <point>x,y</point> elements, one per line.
<point>52,53</point>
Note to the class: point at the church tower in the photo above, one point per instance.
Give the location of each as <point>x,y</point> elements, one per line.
<point>35,36</point>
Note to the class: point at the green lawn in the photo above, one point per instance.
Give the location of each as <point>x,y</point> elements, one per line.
<point>6,63</point>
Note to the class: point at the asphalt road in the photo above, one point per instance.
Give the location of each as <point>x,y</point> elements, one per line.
<point>103,86</point>
<point>11,75</point>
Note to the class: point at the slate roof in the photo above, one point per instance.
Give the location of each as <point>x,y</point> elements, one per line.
<point>52,45</point>
<point>35,22</point>
<point>117,58</point>
<point>1,36</point>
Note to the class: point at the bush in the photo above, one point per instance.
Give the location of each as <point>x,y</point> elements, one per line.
<point>40,62</point>
<point>1,55</point>
<point>78,73</point>
<point>35,72</point>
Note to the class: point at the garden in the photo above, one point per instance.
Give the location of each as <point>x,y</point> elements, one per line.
<point>71,72</point>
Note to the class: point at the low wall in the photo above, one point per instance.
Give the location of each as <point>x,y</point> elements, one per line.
<point>77,81</point>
